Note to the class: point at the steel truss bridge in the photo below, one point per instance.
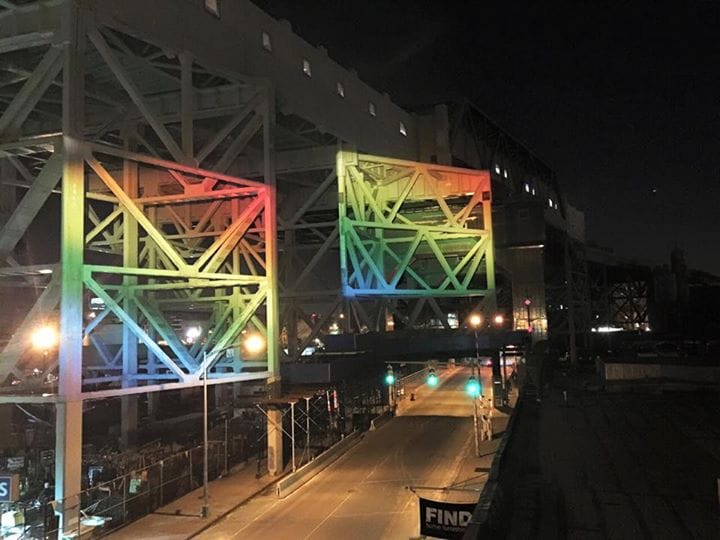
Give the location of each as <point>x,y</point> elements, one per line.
<point>213,168</point>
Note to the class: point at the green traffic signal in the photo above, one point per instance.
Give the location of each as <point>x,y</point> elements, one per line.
<point>432,379</point>
<point>472,387</point>
<point>389,379</point>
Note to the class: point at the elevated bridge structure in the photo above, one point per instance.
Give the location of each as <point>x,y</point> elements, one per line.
<point>198,165</point>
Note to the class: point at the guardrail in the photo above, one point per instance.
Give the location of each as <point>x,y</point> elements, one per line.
<point>381,419</point>
<point>299,478</point>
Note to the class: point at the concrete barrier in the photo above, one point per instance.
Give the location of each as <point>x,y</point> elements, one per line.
<point>308,471</point>
<point>492,498</point>
<point>382,419</point>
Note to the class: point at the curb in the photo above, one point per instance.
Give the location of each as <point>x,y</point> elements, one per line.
<point>381,419</point>
<point>222,516</point>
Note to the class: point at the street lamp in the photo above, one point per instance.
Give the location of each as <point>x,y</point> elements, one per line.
<point>254,343</point>
<point>44,338</point>
<point>473,385</point>
<point>499,321</point>
<point>390,381</point>
<point>473,389</point>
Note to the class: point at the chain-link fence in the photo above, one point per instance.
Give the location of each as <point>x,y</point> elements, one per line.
<point>113,503</point>
<point>125,487</point>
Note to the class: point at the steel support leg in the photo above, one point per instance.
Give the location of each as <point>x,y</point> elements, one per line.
<point>68,464</point>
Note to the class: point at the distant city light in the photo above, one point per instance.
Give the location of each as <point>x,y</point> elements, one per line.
<point>499,319</point>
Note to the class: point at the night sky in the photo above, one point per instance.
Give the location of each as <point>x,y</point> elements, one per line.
<point>621,99</point>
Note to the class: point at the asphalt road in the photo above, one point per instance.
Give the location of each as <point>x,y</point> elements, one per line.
<point>365,494</point>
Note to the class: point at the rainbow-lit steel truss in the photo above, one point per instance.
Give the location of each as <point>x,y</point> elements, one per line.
<point>167,260</point>
<point>413,229</point>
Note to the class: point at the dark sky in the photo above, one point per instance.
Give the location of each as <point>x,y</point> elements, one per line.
<point>622,99</point>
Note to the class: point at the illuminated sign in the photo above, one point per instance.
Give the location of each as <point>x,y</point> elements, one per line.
<point>444,520</point>
<point>9,487</point>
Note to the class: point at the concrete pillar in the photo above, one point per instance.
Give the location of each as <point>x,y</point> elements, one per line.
<point>153,405</point>
<point>68,463</point>
<point>128,421</point>
<point>275,442</point>
<point>219,394</point>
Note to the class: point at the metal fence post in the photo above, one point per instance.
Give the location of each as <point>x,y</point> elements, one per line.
<point>124,497</point>
<point>162,482</point>
<point>226,445</point>
<point>190,483</point>
<point>292,433</point>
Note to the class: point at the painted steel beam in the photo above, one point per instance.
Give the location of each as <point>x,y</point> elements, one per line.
<point>30,204</point>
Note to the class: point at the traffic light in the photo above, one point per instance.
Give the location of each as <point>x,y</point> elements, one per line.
<point>389,376</point>
<point>472,387</point>
<point>432,378</point>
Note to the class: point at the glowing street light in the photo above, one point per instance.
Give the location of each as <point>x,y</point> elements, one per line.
<point>44,338</point>
<point>499,319</point>
<point>192,333</point>
<point>475,320</point>
<point>254,343</point>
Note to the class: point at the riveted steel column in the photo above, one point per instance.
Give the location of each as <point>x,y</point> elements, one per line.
<point>68,426</point>
<point>129,404</point>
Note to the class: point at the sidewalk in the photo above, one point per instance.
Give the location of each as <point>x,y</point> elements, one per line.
<point>180,519</point>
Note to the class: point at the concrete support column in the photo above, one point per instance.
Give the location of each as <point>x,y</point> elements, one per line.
<point>275,442</point>
<point>128,421</point>
<point>153,404</point>
<point>68,463</point>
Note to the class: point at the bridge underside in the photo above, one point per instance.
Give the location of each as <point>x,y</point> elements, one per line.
<point>164,198</point>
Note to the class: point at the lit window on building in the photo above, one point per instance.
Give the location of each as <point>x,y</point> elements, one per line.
<point>505,173</point>
<point>550,203</point>
<point>403,129</point>
<point>213,6</point>
<point>340,90</point>
<point>497,169</point>
<point>266,42</point>
<point>371,109</point>
<point>307,68</point>
<point>533,191</point>
<point>527,188</point>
